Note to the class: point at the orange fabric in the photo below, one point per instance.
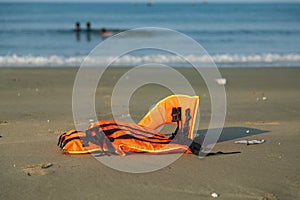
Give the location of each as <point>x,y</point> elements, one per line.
<point>122,137</point>
<point>71,142</point>
<point>162,112</point>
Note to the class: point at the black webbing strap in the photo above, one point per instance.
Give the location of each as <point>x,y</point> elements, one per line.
<point>176,117</point>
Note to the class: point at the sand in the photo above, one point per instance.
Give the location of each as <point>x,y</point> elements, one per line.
<point>36,107</point>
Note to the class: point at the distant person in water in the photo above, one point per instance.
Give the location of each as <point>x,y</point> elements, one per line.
<point>77,30</point>
<point>88,31</point>
<point>105,33</point>
<point>77,26</point>
<point>88,26</point>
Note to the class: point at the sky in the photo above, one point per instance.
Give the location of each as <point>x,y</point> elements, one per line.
<point>83,1</point>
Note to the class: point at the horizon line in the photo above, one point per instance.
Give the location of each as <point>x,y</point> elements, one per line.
<point>152,2</point>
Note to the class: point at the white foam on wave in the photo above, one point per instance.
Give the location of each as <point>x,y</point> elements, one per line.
<point>55,60</point>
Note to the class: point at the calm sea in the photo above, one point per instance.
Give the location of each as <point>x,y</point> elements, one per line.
<point>42,34</point>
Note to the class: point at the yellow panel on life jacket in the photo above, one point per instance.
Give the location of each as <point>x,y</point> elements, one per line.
<point>161,113</point>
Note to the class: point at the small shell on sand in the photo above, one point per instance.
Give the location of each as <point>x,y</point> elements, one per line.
<point>46,165</point>
<point>221,81</point>
<point>41,166</point>
<point>214,195</point>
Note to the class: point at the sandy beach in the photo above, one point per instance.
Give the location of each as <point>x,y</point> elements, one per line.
<point>262,103</point>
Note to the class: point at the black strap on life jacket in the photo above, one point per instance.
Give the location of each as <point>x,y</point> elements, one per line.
<point>176,117</point>
<point>183,127</point>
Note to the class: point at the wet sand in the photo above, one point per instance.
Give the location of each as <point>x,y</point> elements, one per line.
<point>36,107</point>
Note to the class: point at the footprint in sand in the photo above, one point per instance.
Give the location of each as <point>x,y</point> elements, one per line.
<point>3,122</point>
<point>269,196</point>
<point>37,170</point>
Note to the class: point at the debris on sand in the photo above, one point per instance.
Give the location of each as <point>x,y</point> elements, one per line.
<point>221,81</point>
<point>248,142</point>
<point>264,98</point>
<point>46,165</point>
<point>214,195</point>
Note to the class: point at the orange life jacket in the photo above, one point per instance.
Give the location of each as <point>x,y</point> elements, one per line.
<point>123,137</point>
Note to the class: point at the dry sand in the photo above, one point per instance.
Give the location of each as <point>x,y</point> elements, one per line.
<point>35,107</point>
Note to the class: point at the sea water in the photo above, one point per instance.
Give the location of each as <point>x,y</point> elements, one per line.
<point>233,34</point>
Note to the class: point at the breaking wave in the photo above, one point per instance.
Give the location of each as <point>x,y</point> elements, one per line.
<point>268,59</point>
